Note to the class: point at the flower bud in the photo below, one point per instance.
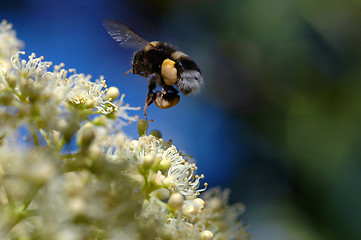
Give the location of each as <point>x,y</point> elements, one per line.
<point>142,127</point>
<point>69,130</point>
<point>89,103</point>
<point>164,164</point>
<point>112,93</point>
<point>169,181</point>
<point>198,203</point>
<point>176,200</point>
<point>86,135</point>
<point>157,180</point>
<point>189,211</point>
<point>160,193</point>
<point>215,204</point>
<point>148,160</point>
<point>11,79</point>
<point>156,162</point>
<point>206,235</point>
<point>156,133</point>
<point>95,151</point>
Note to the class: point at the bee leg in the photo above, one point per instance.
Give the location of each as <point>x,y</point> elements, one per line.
<point>163,92</point>
<point>151,96</point>
<point>144,75</point>
<point>153,81</point>
<point>147,78</point>
<point>170,89</point>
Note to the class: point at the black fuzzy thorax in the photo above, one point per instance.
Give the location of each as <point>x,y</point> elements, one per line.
<point>150,60</point>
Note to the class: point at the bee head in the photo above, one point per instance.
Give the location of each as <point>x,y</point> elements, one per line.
<point>139,64</point>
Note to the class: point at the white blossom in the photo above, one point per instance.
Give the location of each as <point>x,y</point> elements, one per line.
<point>9,44</point>
<point>109,186</point>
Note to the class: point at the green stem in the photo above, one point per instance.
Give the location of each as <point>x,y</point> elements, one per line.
<point>10,198</point>
<point>146,187</point>
<point>19,216</point>
<point>34,134</point>
<point>19,213</point>
<point>16,93</point>
<point>45,136</point>
<point>7,227</point>
<point>29,199</point>
<point>31,213</point>
<point>60,144</point>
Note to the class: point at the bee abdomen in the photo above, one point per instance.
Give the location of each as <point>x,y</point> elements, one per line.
<point>189,76</point>
<point>177,55</point>
<point>190,81</point>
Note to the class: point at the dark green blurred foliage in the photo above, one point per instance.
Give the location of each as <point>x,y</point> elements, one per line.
<point>290,70</point>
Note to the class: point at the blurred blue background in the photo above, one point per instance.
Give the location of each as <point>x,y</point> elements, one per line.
<point>278,120</point>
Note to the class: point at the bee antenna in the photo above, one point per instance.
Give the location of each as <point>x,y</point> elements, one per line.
<point>128,71</point>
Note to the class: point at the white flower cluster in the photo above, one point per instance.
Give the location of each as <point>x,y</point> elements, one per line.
<point>109,187</point>
<point>168,167</point>
<point>9,44</point>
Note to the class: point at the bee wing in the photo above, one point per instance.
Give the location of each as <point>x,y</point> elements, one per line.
<point>124,35</point>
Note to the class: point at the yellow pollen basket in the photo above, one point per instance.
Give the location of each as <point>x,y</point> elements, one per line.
<point>165,102</point>
<point>169,72</point>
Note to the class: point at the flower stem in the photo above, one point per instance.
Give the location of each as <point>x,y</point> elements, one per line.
<point>10,198</point>
<point>34,134</point>
<point>19,213</point>
<point>30,198</point>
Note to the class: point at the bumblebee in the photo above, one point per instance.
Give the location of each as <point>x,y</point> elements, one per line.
<point>161,63</point>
